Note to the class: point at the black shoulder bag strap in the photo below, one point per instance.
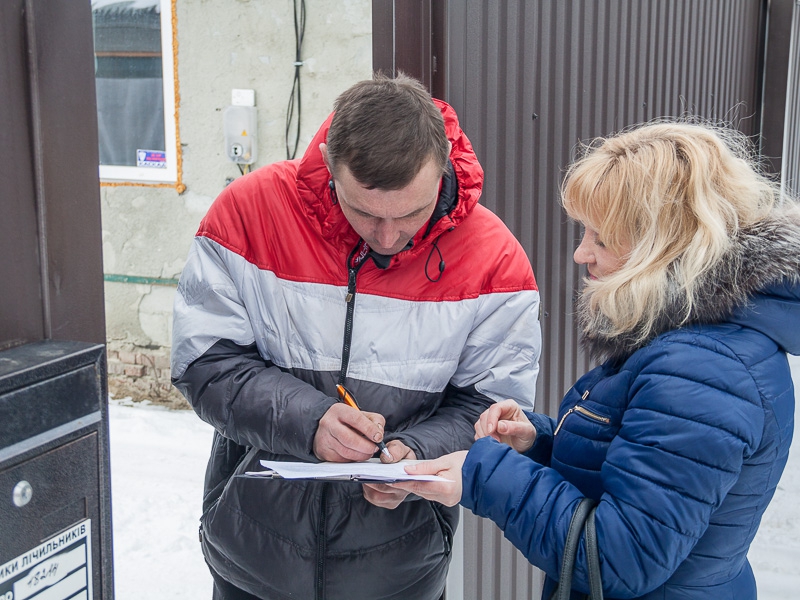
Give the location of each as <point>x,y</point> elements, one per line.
<point>582,519</point>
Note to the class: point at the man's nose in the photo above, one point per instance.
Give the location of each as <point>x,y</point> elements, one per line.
<point>387,233</point>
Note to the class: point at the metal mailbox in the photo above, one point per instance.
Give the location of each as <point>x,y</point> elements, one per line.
<point>55,503</point>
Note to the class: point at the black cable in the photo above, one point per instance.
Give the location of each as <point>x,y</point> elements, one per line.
<point>299,33</point>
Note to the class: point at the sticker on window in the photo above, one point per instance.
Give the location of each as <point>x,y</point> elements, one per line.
<point>153,159</point>
<point>61,565</point>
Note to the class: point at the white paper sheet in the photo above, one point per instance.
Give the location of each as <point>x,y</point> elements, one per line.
<point>372,470</point>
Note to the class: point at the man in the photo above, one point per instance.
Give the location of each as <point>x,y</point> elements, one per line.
<point>367,263</point>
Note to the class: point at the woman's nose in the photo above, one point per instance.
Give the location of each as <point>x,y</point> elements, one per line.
<point>582,255</point>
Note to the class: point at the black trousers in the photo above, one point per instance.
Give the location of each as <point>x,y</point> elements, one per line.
<point>227,591</point>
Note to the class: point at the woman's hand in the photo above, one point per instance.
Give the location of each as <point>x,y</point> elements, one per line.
<point>444,492</point>
<point>381,494</point>
<point>505,422</point>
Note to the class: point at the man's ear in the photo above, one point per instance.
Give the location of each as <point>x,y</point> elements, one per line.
<point>323,148</point>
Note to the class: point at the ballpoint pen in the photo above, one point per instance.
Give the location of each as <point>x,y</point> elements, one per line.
<point>348,398</point>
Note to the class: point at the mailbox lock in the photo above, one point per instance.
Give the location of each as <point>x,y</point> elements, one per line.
<point>23,492</point>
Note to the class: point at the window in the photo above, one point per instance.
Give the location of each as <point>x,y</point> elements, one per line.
<point>135,90</point>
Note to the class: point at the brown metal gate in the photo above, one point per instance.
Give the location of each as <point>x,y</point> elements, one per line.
<point>529,79</point>
<point>54,460</point>
<point>51,275</point>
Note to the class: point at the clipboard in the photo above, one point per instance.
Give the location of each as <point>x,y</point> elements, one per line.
<point>371,471</point>
<point>267,474</point>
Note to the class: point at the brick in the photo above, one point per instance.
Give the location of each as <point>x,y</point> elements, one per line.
<point>115,367</point>
<point>134,370</point>
<point>127,357</point>
<point>145,359</point>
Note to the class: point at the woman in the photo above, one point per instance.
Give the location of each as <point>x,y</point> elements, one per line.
<point>682,432</point>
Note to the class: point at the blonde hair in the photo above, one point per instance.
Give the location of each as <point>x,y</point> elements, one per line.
<point>669,197</point>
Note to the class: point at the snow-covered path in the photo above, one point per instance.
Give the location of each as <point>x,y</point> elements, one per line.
<point>158,460</point>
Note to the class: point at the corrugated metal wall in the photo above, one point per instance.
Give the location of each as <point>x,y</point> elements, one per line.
<point>531,78</point>
<point>790,176</point>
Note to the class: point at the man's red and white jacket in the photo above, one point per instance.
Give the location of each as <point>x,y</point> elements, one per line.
<point>280,301</point>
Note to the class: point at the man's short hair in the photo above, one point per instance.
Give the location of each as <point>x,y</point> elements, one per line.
<point>384,130</point>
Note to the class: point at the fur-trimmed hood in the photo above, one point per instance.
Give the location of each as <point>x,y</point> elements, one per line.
<point>756,285</point>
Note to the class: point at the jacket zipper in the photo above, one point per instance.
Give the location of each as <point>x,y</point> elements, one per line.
<point>350,299</point>
<point>321,543</point>
<point>584,411</point>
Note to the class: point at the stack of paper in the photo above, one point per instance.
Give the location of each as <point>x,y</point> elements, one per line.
<point>372,471</point>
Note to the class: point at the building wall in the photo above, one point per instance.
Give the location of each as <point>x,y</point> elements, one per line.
<point>221,45</point>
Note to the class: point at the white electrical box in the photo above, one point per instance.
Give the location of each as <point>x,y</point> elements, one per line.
<point>240,128</point>
<point>243,97</point>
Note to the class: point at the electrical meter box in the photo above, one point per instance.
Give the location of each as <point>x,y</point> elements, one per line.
<point>240,129</point>
<point>55,506</point>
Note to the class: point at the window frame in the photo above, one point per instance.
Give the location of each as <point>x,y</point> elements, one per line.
<point>122,174</point>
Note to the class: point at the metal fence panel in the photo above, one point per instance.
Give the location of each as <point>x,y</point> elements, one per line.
<point>790,175</point>
<point>529,79</point>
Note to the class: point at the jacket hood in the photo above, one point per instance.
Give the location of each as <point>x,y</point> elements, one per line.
<point>756,285</point>
<point>313,179</point>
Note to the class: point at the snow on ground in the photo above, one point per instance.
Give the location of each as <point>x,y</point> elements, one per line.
<point>158,460</point>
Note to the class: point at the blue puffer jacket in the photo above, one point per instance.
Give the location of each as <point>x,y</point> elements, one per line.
<point>682,441</point>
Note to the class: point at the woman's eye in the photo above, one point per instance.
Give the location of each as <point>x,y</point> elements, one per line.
<point>597,241</point>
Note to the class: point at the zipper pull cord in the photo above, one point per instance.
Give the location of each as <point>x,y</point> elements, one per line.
<point>350,301</point>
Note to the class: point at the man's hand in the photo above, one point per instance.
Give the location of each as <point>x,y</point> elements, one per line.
<point>505,422</point>
<point>383,495</point>
<point>444,492</point>
<point>346,434</point>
